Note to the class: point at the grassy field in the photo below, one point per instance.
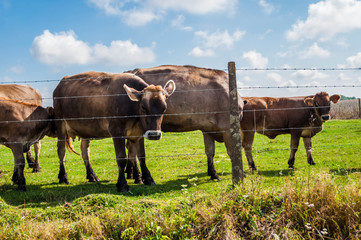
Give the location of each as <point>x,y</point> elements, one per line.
<point>321,201</point>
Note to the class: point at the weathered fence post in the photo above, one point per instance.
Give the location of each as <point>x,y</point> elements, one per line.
<point>235,133</point>
<point>359,108</point>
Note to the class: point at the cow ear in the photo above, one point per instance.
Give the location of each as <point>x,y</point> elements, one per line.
<point>50,111</point>
<point>335,98</point>
<point>309,101</point>
<point>133,94</point>
<point>169,88</point>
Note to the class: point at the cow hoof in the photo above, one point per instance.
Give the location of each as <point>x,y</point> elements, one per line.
<point>291,168</point>
<point>215,177</point>
<point>149,181</point>
<point>36,170</point>
<point>138,181</point>
<point>93,178</point>
<point>64,180</point>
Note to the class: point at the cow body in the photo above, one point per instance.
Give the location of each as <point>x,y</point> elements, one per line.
<point>201,102</point>
<point>298,116</point>
<point>100,105</point>
<point>30,95</point>
<point>23,124</point>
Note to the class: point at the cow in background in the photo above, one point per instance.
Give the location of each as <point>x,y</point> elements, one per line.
<point>23,124</point>
<point>30,95</point>
<point>298,116</point>
<point>95,105</point>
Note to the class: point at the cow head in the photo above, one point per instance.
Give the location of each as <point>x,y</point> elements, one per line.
<point>152,104</point>
<point>321,102</point>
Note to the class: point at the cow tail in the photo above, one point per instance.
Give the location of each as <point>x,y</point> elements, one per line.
<point>70,146</point>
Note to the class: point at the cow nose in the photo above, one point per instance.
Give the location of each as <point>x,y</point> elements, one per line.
<point>153,134</point>
<point>325,117</point>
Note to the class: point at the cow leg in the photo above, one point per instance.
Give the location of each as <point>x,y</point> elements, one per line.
<point>247,143</point>
<point>146,176</point>
<point>19,162</point>
<point>295,140</point>
<point>30,159</point>
<point>85,152</point>
<point>36,166</point>
<point>62,176</point>
<point>308,146</point>
<point>119,145</point>
<point>210,151</point>
<point>132,169</point>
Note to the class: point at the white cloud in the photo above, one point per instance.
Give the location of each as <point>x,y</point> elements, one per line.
<point>141,17</point>
<point>195,6</point>
<point>198,52</point>
<point>179,23</point>
<point>143,12</point>
<point>309,74</point>
<point>343,77</point>
<point>219,39</point>
<point>65,49</point>
<point>315,52</point>
<point>110,7</point>
<point>267,7</point>
<point>354,61</point>
<point>326,19</point>
<point>255,59</point>
<point>275,77</point>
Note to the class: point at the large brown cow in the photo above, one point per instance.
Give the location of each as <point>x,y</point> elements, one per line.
<point>30,95</point>
<point>201,102</point>
<point>22,124</point>
<point>97,105</point>
<point>298,116</point>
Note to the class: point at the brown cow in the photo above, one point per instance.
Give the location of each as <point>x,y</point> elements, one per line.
<point>298,116</point>
<point>22,124</point>
<point>201,102</point>
<point>30,95</point>
<point>96,105</point>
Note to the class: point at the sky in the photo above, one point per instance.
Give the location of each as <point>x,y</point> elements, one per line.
<point>297,47</point>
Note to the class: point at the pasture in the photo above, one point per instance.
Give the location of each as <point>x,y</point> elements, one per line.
<point>321,201</point>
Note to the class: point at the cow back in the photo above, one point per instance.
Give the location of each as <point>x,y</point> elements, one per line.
<point>21,92</point>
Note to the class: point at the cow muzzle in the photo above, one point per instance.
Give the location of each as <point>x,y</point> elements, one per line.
<point>153,134</point>
<point>325,117</point>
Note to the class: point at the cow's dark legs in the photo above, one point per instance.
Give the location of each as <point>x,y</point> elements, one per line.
<point>295,140</point>
<point>210,151</point>
<point>62,176</point>
<point>308,146</point>
<point>119,145</point>
<point>132,169</point>
<point>146,176</point>
<point>247,143</point>
<point>85,152</point>
<point>34,163</point>
<point>19,162</point>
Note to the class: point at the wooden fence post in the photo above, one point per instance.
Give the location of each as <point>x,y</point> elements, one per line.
<point>235,133</point>
<point>359,108</point>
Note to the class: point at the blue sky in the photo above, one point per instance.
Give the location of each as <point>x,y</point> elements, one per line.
<point>46,40</point>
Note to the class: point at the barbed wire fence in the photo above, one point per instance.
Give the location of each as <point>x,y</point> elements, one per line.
<point>204,113</point>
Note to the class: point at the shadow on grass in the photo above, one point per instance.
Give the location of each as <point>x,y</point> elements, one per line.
<point>344,171</point>
<point>276,173</point>
<point>53,194</point>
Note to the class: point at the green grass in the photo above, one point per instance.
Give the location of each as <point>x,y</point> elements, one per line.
<point>185,203</point>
